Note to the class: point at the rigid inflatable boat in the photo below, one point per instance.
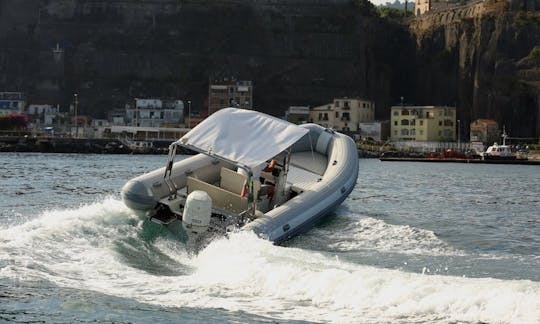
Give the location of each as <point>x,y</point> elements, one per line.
<point>252,172</point>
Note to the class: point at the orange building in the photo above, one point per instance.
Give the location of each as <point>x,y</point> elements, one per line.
<point>485,131</point>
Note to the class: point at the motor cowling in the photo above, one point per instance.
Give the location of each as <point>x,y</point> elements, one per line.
<point>197,212</point>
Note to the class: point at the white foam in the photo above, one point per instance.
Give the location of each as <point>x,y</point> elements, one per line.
<point>373,234</point>
<point>75,248</point>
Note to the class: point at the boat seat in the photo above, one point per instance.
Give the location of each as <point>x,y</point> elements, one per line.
<point>231,180</point>
<point>220,197</point>
<point>300,179</point>
<point>234,182</point>
<point>312,162</point>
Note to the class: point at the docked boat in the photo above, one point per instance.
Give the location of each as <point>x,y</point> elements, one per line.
<point>502,152</point>
<point>252,172</point>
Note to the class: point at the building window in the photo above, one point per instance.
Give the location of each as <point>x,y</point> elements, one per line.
<point>421,123</point>
<point>405,112</point>
<point>337,104</point>
<point>395,132</point>
<point>395,123</point>
<point>404,132</point>
<point>337,114</point>
<point>412,132</point>
<point>396,113</point>
<point>413,122</point>
<point>440,122</point>
<point>404,122</point>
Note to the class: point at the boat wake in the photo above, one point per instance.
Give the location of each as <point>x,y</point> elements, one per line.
<point>366,233</point>
<point>103,247</point>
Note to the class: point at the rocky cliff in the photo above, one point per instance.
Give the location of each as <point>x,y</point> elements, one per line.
<point>485,58</point>
<point>297,52</point>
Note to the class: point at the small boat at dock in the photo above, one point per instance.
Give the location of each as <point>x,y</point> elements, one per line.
<point>503,152</point>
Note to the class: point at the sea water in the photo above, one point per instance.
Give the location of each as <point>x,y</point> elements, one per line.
<point>414,242</point>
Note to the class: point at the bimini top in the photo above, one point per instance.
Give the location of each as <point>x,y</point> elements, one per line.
<point>245,137</point>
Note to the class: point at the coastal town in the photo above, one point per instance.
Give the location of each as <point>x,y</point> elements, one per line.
<point>149,125</point>
<point>71,107</point>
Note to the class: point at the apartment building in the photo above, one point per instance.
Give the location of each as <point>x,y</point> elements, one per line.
<point>154,113</point>
<point>485,131</point>
<point>343,114</point>
<point>12,102</point>
<point>423,123</point>
<point>297,114</point>
<point>230,93</point>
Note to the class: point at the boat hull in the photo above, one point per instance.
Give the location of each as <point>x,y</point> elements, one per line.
<point>312,199</point>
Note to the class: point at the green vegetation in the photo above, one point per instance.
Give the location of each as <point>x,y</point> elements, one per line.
<point>527,19</point>
<point>374,146</point>
<point>535,53</point>
<point>393,14</point>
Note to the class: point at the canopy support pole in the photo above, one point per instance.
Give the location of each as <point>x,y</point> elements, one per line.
<point>168,170</point>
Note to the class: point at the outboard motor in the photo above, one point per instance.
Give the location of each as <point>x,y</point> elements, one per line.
<point>197,212</point>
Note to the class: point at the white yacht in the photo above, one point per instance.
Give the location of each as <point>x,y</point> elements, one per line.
<point>224,187</point>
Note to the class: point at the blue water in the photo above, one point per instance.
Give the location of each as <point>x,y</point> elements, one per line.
<point>414,242</point>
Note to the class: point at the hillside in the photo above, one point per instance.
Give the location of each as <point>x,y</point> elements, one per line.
<point>296,52</point>
<point>483,57</point>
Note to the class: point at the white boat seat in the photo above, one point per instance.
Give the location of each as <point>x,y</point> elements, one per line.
<point>221,198</point>
<point>300,179</point>
<point>313,162</point>
<point>234,182</point>
<point>231,180</point>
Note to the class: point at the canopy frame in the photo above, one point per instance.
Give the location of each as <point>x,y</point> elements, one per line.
<point>277,125</point>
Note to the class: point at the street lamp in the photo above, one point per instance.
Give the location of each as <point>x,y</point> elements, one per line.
<point>459,134</point>
<point>76,117</point>
<point>189,113</point>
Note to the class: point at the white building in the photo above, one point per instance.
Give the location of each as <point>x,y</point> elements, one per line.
<point>117,117</point>
<point>344,114</point>
<point>153,113</point>
<point>43,113</point>
<point>12,102</point>
<point>297,114</point>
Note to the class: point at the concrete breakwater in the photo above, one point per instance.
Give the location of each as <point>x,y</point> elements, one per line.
<point>27,143</point>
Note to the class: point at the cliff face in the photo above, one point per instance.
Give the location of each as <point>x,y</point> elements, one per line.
<point>485,58</point>
<point>297,52</point>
